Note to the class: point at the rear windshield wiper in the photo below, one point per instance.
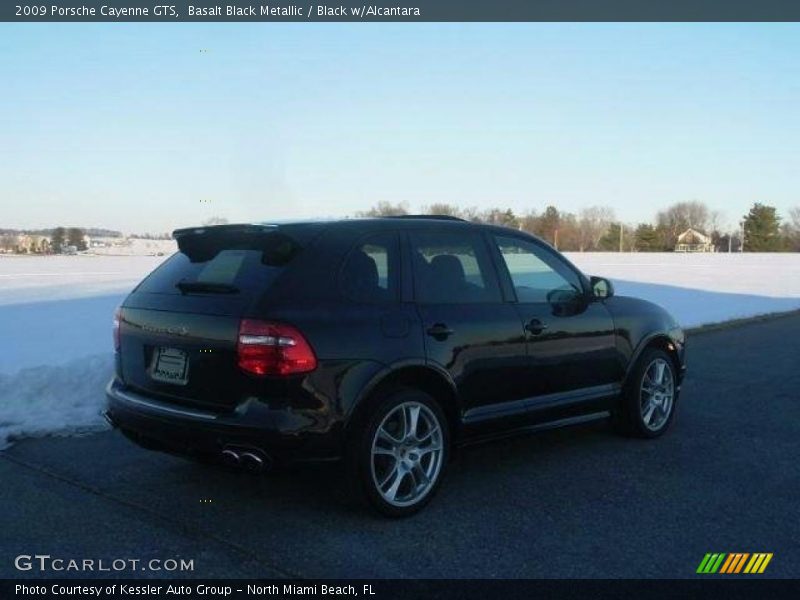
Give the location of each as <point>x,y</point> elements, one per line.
<point>187,287</point>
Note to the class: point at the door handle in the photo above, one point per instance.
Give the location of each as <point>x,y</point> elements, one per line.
<point>535,326</point>
<point>439,331</point>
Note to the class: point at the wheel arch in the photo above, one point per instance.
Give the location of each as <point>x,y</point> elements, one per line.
<point>425,377</point>
<point>661,341</point>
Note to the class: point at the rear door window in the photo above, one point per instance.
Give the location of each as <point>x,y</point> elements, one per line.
<point>452,268</point>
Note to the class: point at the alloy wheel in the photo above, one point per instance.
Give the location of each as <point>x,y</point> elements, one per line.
<point>407,453</point>
<point>657,395</point>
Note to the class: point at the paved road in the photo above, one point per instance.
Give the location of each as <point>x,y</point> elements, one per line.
<point>570,503</point>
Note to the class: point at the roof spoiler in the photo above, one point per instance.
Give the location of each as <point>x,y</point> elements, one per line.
<point>214,229</point>
<point>204,243</point>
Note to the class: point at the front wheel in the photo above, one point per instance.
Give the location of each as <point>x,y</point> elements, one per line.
<point>647,406</point>
<point>400,455</point>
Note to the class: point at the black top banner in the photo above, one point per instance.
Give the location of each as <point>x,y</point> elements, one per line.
<point>401,10</point>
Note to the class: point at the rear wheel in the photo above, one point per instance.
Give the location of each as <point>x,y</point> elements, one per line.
<point>647,406</point>
<point>400,454</point>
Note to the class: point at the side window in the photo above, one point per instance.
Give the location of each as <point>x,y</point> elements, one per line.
<point>537,275</point>
<point>452,268</point>
<point>370,271</point>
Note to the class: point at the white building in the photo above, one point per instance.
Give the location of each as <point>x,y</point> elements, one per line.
<point>692,240</point>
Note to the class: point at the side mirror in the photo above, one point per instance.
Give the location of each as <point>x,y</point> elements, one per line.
<point>601,287</point>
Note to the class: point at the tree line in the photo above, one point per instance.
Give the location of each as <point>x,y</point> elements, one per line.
<point>57,241</point>
<point>597,228</point>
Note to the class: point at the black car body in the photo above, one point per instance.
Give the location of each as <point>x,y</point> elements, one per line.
<point>275,340</point>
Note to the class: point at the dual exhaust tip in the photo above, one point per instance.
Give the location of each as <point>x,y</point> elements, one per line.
<point>250,459</point>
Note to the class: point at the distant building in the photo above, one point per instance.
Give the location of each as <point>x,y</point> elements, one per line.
<point>32,244</point>
<point>692,240</point>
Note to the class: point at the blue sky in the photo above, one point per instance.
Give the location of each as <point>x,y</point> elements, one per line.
<point>131,126</point>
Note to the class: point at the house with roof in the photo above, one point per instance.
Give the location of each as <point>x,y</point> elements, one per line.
<point>693,240</point>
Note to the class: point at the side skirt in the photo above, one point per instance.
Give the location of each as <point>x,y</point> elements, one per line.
<point>541,403</point>
<point>535,428</point>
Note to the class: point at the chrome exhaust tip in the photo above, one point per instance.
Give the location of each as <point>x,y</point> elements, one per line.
<point>108,419</point>
<point>252,462</point>
<point>231,458</point>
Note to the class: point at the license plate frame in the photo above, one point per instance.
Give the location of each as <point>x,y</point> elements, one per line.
<point>170,365</point>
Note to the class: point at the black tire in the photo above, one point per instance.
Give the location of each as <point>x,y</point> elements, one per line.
<point>366,470</point>
<point>630,418</point>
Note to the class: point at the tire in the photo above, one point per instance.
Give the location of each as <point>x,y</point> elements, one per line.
<point>397,470</point>
<point>647,405</point>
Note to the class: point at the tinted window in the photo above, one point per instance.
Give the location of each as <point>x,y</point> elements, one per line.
<point>245,265</point>
<point>452,268</point>
<point>537,274</point>
<point>370,271</point>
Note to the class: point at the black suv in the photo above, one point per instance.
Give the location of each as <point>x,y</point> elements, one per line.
<point>383,342</point>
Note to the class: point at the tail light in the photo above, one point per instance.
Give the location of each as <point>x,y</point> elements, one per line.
<point>273,349</point>
<point>115,328</point>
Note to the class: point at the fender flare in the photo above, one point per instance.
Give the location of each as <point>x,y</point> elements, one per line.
<point>645,343</point>
<point>392,369</point>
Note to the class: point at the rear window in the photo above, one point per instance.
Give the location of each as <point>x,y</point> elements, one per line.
<point>210,267</point>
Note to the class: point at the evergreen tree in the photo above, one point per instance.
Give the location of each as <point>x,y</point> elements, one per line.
<point>647,239</point>
<point>75,237</point>
<point>548,223</point>
<point>762,229</point>
<point>58,239</point>
<point>610,241</point>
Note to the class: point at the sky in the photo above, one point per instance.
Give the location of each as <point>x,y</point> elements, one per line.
<point>149,127</point>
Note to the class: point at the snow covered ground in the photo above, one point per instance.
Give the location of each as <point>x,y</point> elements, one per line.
<point>55,328</point>
<point>55,318</point>
<point>702,288</point>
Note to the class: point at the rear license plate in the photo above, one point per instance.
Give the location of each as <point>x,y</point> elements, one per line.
<point>170,365</point>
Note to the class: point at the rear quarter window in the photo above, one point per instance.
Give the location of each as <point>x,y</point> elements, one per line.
<point>370,271</point>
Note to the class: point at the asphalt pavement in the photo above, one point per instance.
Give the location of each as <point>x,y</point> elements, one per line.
<point>577,502</point>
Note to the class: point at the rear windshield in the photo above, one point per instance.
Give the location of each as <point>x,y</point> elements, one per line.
<point>215,266</point>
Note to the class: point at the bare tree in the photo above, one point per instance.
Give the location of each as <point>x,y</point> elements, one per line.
<point>470,214</point>
<point>792,225</point>
<point>442,208</point>
<point>715,221</point>
<point>529,221</point>
<point>681,216</point>
<point>794,219</point>
<point>215,221</point>
<point>498,216</point>
<point>593,223</point>
<point>385,209</point>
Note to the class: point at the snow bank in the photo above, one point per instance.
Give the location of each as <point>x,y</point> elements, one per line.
<point>44,400</point>
<point>55,326</point>
<point>55,318</point>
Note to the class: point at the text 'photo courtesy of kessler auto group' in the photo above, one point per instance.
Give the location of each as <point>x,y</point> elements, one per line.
<point>400,300</point>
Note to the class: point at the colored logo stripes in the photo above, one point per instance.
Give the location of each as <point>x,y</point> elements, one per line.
<point>735,562</point>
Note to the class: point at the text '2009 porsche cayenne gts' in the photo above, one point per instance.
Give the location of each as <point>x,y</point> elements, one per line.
<point>382,342</point>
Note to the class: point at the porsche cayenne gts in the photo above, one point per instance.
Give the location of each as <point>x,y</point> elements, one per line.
<point>382,342</point>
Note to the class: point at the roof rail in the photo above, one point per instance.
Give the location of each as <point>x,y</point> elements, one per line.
<point>433,217</point>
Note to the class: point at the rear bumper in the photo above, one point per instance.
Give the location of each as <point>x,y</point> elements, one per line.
<point>285,435</point>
